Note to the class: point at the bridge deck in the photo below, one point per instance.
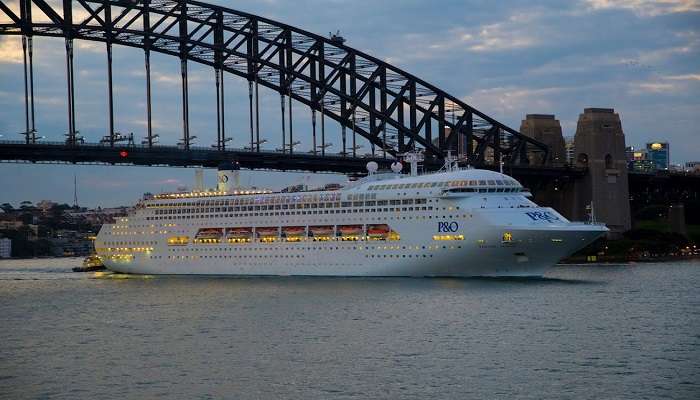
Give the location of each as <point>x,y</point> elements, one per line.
<point>174,156</point>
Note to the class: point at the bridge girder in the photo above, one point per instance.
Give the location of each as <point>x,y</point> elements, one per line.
<point>392,109</point>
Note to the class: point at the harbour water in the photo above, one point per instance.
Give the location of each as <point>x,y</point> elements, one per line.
<point>584,332</point>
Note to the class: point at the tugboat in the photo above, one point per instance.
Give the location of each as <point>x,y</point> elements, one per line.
<point>90,264</point>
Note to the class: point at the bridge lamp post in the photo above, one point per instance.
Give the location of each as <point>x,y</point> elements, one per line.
<point>221,144</point>
<point>255,145</point>
<point>323,148</point>
<point>289,146</point>
<point>150,140</point>
<point>185,143</point>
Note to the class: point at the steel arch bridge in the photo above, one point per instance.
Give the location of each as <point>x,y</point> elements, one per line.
<point>393,110</point>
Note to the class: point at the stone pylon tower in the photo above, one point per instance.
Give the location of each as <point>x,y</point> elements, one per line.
<point>546,129</point>
<point>600,146</point>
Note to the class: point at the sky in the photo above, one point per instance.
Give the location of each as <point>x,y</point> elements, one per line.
<point>505,58</point>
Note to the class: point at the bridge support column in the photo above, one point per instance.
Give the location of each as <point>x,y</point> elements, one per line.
<point>313,130</point>
<point>185,105</point>
<point>110,91</point>
<point>250,106</point>
<point>223,111</point>
<point>547,130</point>
<point>218,109</point>
<point>30,47</point>
<point>284,125</point>
<point>26,91</point>
<point>291,124</point>
<point>149,116</point>
<point>71,92</point>
<point>257,116</point>
<point>600,146</point>
<point>323,130</point>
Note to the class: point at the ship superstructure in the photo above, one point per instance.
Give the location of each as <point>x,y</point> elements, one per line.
<point>456,222</point>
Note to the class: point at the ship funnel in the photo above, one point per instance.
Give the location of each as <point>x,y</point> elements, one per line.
<point>228,177</point>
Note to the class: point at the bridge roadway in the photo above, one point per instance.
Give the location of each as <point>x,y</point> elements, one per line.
<point>174,156</point>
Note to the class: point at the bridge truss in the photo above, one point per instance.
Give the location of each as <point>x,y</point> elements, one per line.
<point>391,109</point>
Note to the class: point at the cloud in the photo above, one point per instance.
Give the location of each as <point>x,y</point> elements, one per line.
<point>646,8</point>
<point>510,34</point>
<point>516,100</point>
<point>11,50</point>
<point>684,77</point>
<point>91,47</point>
<point>668,84</point>
<point>652,87</point>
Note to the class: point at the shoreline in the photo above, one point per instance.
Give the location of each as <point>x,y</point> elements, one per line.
<point>624,259</point>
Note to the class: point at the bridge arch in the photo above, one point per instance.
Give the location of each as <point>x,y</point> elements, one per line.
<point>394,110</point>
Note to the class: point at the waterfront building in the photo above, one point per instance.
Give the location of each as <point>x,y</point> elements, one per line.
<point>658,152</point>
<point>5,248</point>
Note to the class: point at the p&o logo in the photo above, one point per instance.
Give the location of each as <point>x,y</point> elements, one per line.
<point>448,227</point>
<point>546,216</point>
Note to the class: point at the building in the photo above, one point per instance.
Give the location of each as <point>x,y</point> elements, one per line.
<point>70,243</point>
<point>5,248</point>
<point>634,154</point>
<point>643,166</point>
<point>658,152</point>
<point>570,149</point>
<point>692,167</point>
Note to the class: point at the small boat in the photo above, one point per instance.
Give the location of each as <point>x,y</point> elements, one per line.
<point>317,231</point>
<point>378,231</point>
<point>350,230</point>
<point>239,233</point>
<point>294,230</point>
<point>210,233</point>
<point>90,264</point>
<point>266,232</point>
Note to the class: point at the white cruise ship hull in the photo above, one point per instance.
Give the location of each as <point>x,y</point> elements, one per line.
<point>483,253</point>
<point>465,223</point>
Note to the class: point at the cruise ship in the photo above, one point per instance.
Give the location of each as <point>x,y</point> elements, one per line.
<point>457,222</point>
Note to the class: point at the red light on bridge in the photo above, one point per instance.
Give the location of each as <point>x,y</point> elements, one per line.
<point>123,154</point>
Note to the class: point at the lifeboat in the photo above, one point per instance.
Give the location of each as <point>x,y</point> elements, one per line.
<point>350,230</point>
<point>317,231</point>
<point>266,232</point>
<point>239,233</point>
<point>293,230</point>
<point>378,231</point>
<point>210,233</point>
<point>294,233</point>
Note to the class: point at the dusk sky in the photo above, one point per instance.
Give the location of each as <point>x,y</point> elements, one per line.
<point>506,58</point>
